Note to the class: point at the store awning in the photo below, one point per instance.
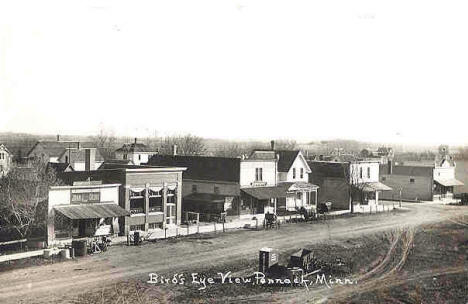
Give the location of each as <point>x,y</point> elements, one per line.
<point>374,186</point>
<point>206,198</point>
<point>263,193</point>
<point>448,182</point>
<point>91,211</point>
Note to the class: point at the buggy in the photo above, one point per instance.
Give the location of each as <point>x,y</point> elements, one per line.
<point>271,221</point>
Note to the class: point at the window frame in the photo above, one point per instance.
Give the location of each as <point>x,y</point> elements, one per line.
<point>259,174</point>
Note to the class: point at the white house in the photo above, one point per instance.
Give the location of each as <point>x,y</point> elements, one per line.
<point>137,153</point>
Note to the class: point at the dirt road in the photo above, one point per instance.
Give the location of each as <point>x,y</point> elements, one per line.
<point>49,283</point>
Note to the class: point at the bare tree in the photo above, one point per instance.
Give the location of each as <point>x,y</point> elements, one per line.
<point>186,145</point>
<point>105,141</point>
<point>23,194</point>
<point>234,149</point>
<point>286,144</point>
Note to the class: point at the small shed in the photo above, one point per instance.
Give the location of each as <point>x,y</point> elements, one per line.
<point>302,259</point>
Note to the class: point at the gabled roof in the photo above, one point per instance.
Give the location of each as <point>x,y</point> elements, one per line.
<point>263,155</point>
<point>60,167</point>
<point>56,148</point>
<point>134,147</point>
<point>4,148</point>
<point>79,155</point>
<point>202,167</point>
<point>286,159</point>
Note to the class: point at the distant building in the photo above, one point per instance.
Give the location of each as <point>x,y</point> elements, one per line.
<point>426,182</point>
<point>69,152</point>
<point>382,154</point>
<point>338,181</point>
<point>135,152</point>
<point>5,160</point>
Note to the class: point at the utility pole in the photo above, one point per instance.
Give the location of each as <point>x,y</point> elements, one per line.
<point>400,196</point>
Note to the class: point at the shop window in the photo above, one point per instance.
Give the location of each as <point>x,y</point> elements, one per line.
<point>137,227</point>
<point>155,226</point>
<point>155,201</point>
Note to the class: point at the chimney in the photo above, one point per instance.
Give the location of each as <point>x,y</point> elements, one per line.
<point>58,137</point>
<point>174,150</point>
<point>135,140</point>
<point>272,145</point>
<point>90,159</point>
<point>390,167</point>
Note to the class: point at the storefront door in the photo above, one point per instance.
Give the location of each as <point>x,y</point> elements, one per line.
<point>170,214</point>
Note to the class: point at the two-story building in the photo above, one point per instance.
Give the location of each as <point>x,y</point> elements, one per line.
<point>347,184</point>
<point>137,153</point>
<point>5,160</point>
<point>292,190</point>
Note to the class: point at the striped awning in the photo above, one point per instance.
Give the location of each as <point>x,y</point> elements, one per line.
<point>92,211</point>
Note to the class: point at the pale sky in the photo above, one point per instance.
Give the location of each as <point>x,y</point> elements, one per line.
<point>394,71</point>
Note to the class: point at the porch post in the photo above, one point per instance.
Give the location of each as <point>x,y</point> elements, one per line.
<point>50,227</point>
<point>164,193</point>
<point>316,199</point>
<point>146,206</point>
<point>376,197</point>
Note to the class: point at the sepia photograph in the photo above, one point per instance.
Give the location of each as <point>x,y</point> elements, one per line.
<point>233,151</point>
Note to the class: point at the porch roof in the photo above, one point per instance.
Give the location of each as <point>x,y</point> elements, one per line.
<point>206,197</point>
<point>91,211</point>
<point>448,182</point>
<point>374,186</point>
<point>263,193</point>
